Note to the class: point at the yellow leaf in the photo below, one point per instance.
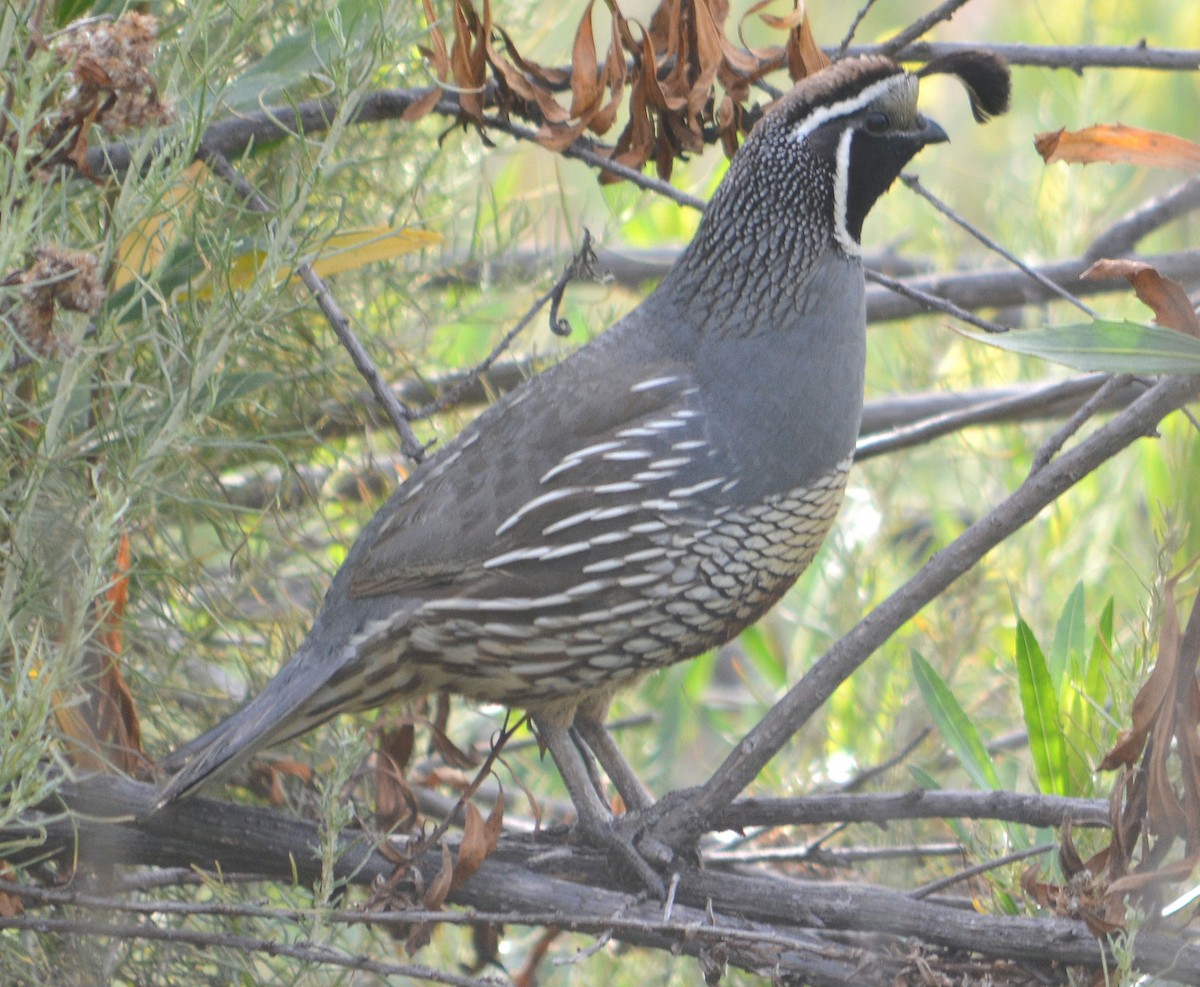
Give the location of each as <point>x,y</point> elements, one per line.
<point>140,252</point>
<point>341,252</point>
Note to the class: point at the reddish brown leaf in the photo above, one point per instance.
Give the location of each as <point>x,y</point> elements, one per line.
<point>439,58</point>
<point>451,754</point>
<point>266,777</point>
<point>527,975</point>
<point>439,887</point>
<point>1150,701</point>
<point>1118,144</point>
<point>804,54</point>
<point>708,59</point>
<point>395,804</point>
<point>10,905</point>
<point>432,900</point>
<point>586,86</point>
<point>495,823</point>
<point>104,725</point>
<point>473,850</point>
<point>468,59</point>
<point>1170,303</point>
<point>542,75</point>
<point>523,78</point>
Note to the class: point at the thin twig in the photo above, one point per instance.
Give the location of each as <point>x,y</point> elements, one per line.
<point>868,774</point>
<point>1049,449</point>
<point>914,183</point>
<point>1004,408</point>
<point>832,856</point>
<point>925,890</point>
<point>852,29</point>
<point>397,414</point>
<point>933,302</point>
<point>581,264</point>
<point>921,25</point>
<point>1073,57</point>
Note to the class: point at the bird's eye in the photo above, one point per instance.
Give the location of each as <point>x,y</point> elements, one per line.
<point>876,123</point>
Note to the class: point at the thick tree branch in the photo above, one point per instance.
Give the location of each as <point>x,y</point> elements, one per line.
<point>764,923</point>
<point>685,815</point>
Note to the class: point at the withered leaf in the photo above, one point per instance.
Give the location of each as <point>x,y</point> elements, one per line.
<point>1165,296</point>
<point>395,804</point>
<point>473,849</point>
<point>452,754</point>
<point>586,85</point>
<point>1118,144</point>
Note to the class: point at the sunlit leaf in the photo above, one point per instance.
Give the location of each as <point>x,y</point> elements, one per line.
<point>1039,703</point>
<point>1118,144</point>
<point>1068,636</point>
<point>342,252</point>
<point>1110,347</point>
<point>954,725</point>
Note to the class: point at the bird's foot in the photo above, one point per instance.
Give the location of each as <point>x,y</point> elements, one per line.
<point>619,842</point>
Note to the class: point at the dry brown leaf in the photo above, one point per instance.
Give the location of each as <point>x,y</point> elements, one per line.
<point>527,80</point>
<point>1118,144</point>
<point>453,755</point>
<point>104,725</point>
<point>1165,296</point>
<point>439,887</point>
<point>420,933</point>
<point>439,58</point>
<point>473,850</point>
<point>495,823</point>
<point>1152,701</point>
<point>10,905</point>
<point>266,777</point>
<point>586,84</point>
<point>468,57</point>
<point>395,804</point>
<point>804,54</point>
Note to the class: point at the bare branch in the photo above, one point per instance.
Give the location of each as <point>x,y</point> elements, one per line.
<point>1073,57</point>
<point>766,923</point>
<point>684,815</point>
<point>943,12</point>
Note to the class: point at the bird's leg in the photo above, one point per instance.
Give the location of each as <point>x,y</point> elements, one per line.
<point>628,784</point>
<point>589,763</point>
<point>594,819</point>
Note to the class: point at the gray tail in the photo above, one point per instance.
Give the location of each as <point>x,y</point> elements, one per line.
<point>281,711</point>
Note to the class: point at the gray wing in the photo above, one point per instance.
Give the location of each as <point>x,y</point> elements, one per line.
<point>525,482</point>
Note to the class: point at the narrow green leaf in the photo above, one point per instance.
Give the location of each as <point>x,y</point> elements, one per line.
<point>955,727</point>
<point>1039,703</point>
<point>1112,347</point>
<point>1095,681</point>
<point>763,654</point>
<point>1068,636</point>
<point>296,58</point>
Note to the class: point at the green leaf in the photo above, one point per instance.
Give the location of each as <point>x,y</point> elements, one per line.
<point>286,70</point>
<point>1068,636</point>
<point>954,725</point>
<point>1039,703</point>
<point>763,654</point>
<point>1095,680</point>
<point>1112,347</point>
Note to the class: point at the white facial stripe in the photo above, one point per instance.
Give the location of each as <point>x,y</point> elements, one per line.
<point>836,110</point>
<point>841,185</point>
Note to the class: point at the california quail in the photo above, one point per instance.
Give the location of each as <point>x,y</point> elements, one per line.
<point>648,497</point>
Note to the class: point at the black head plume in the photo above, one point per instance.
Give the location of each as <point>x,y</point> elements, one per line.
<point>983,74</point>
